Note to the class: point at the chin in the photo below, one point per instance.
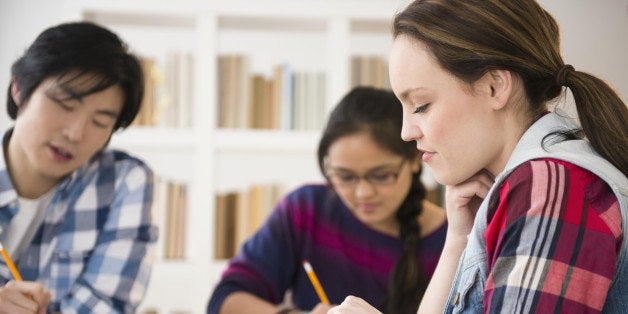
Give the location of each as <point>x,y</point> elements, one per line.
<point>61,173</point>
<point>441,178</point>
<point>448,179</point>
<point>366,218</point>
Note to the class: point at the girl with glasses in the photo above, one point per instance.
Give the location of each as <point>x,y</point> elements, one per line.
<point>368,232</point>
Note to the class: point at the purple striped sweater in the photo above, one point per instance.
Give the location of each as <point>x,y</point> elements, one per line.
<point>313,224</point>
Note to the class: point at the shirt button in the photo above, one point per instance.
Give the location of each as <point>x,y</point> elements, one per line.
<point>456,297</point>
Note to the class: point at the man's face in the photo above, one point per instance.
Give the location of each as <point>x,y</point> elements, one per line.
<point>55,133</point>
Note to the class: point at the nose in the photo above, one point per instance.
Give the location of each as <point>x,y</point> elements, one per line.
<point>364,189</point>
<point>74,128</point>
<point>410,131</point>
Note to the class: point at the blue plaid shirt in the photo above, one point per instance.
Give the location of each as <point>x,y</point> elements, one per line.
<point>94,248</point>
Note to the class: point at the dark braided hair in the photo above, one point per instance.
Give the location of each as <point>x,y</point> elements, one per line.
<point>379,113</point>
<point>407,283</point>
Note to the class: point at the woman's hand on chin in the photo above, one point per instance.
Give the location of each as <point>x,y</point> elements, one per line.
<point>463,201</point>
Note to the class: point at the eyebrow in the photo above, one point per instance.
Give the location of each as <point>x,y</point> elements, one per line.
<point>406,94</point>
<point>376,168</point>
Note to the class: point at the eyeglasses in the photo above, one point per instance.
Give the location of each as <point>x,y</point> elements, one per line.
<point>346,179</point>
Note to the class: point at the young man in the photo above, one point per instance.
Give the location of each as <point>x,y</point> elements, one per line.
<point>75,218</point>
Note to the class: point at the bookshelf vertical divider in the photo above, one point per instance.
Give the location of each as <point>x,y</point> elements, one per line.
<point>201,219</point>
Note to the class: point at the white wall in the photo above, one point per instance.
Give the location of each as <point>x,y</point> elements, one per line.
<point>20,22</point>
<point>594,35</point>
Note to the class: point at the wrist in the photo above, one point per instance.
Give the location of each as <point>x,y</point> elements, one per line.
<point>455,242</point>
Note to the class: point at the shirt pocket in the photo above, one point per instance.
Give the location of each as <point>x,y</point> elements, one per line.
<point>470,296</point>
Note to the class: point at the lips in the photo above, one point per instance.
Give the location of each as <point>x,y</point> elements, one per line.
<point>367,207</point>
<point>60,154</point>
<point>427,155</point>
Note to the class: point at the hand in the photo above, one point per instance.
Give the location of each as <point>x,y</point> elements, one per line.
<point>463,201</point>
<point>353,305</point>
<point>18,297</point>
<point>321,308</point>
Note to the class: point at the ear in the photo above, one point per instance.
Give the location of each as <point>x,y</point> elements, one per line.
<point>15,92</point>
<point>500,84</point>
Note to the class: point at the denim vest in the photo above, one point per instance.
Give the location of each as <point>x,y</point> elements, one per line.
<point>467,291</point>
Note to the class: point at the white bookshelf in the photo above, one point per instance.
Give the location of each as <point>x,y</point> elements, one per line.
<point>311,35</point>
<point>211,160</point>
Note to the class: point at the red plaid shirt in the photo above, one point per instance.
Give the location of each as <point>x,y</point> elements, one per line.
<point>552,240</point>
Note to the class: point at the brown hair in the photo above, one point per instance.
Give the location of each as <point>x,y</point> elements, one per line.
<point>471,37</point>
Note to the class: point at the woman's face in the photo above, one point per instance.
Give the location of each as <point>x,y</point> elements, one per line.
<point>55,134</point>
<point>452,122</point>
<point>371,181</point>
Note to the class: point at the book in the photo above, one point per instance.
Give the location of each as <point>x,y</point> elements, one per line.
<point>240,214</point>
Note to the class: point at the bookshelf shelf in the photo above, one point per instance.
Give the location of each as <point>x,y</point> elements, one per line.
<point>310,35</point>
<point>266,140</point>
<point>155,138</point>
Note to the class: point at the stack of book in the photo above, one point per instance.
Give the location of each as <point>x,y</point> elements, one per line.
<point>170,207</point>
<point>287,100</point>
<point>369,71</point>
<point>168,92</point>
<point>239,215</point>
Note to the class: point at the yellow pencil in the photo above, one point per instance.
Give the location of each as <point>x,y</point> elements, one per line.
<point>317,285</point>
<point>9,262</point>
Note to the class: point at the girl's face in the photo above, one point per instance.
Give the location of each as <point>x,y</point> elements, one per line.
<point>54,134</point>
<point>452,122</point>
<point>372,182</point>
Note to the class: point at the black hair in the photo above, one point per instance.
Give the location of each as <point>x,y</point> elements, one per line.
<point>379,112</point>
<point>71,51</point>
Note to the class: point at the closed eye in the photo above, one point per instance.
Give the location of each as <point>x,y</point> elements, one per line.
<point>421,109</point>
<point>61,102</point>
<point>105,119</point>
<point>383,177</point>
<point>347,177</point>
<point>101,125</point>
<point>63,105</point>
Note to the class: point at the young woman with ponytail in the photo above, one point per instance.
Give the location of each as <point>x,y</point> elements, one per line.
<point>368,232</point>
<point>537,205</point>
